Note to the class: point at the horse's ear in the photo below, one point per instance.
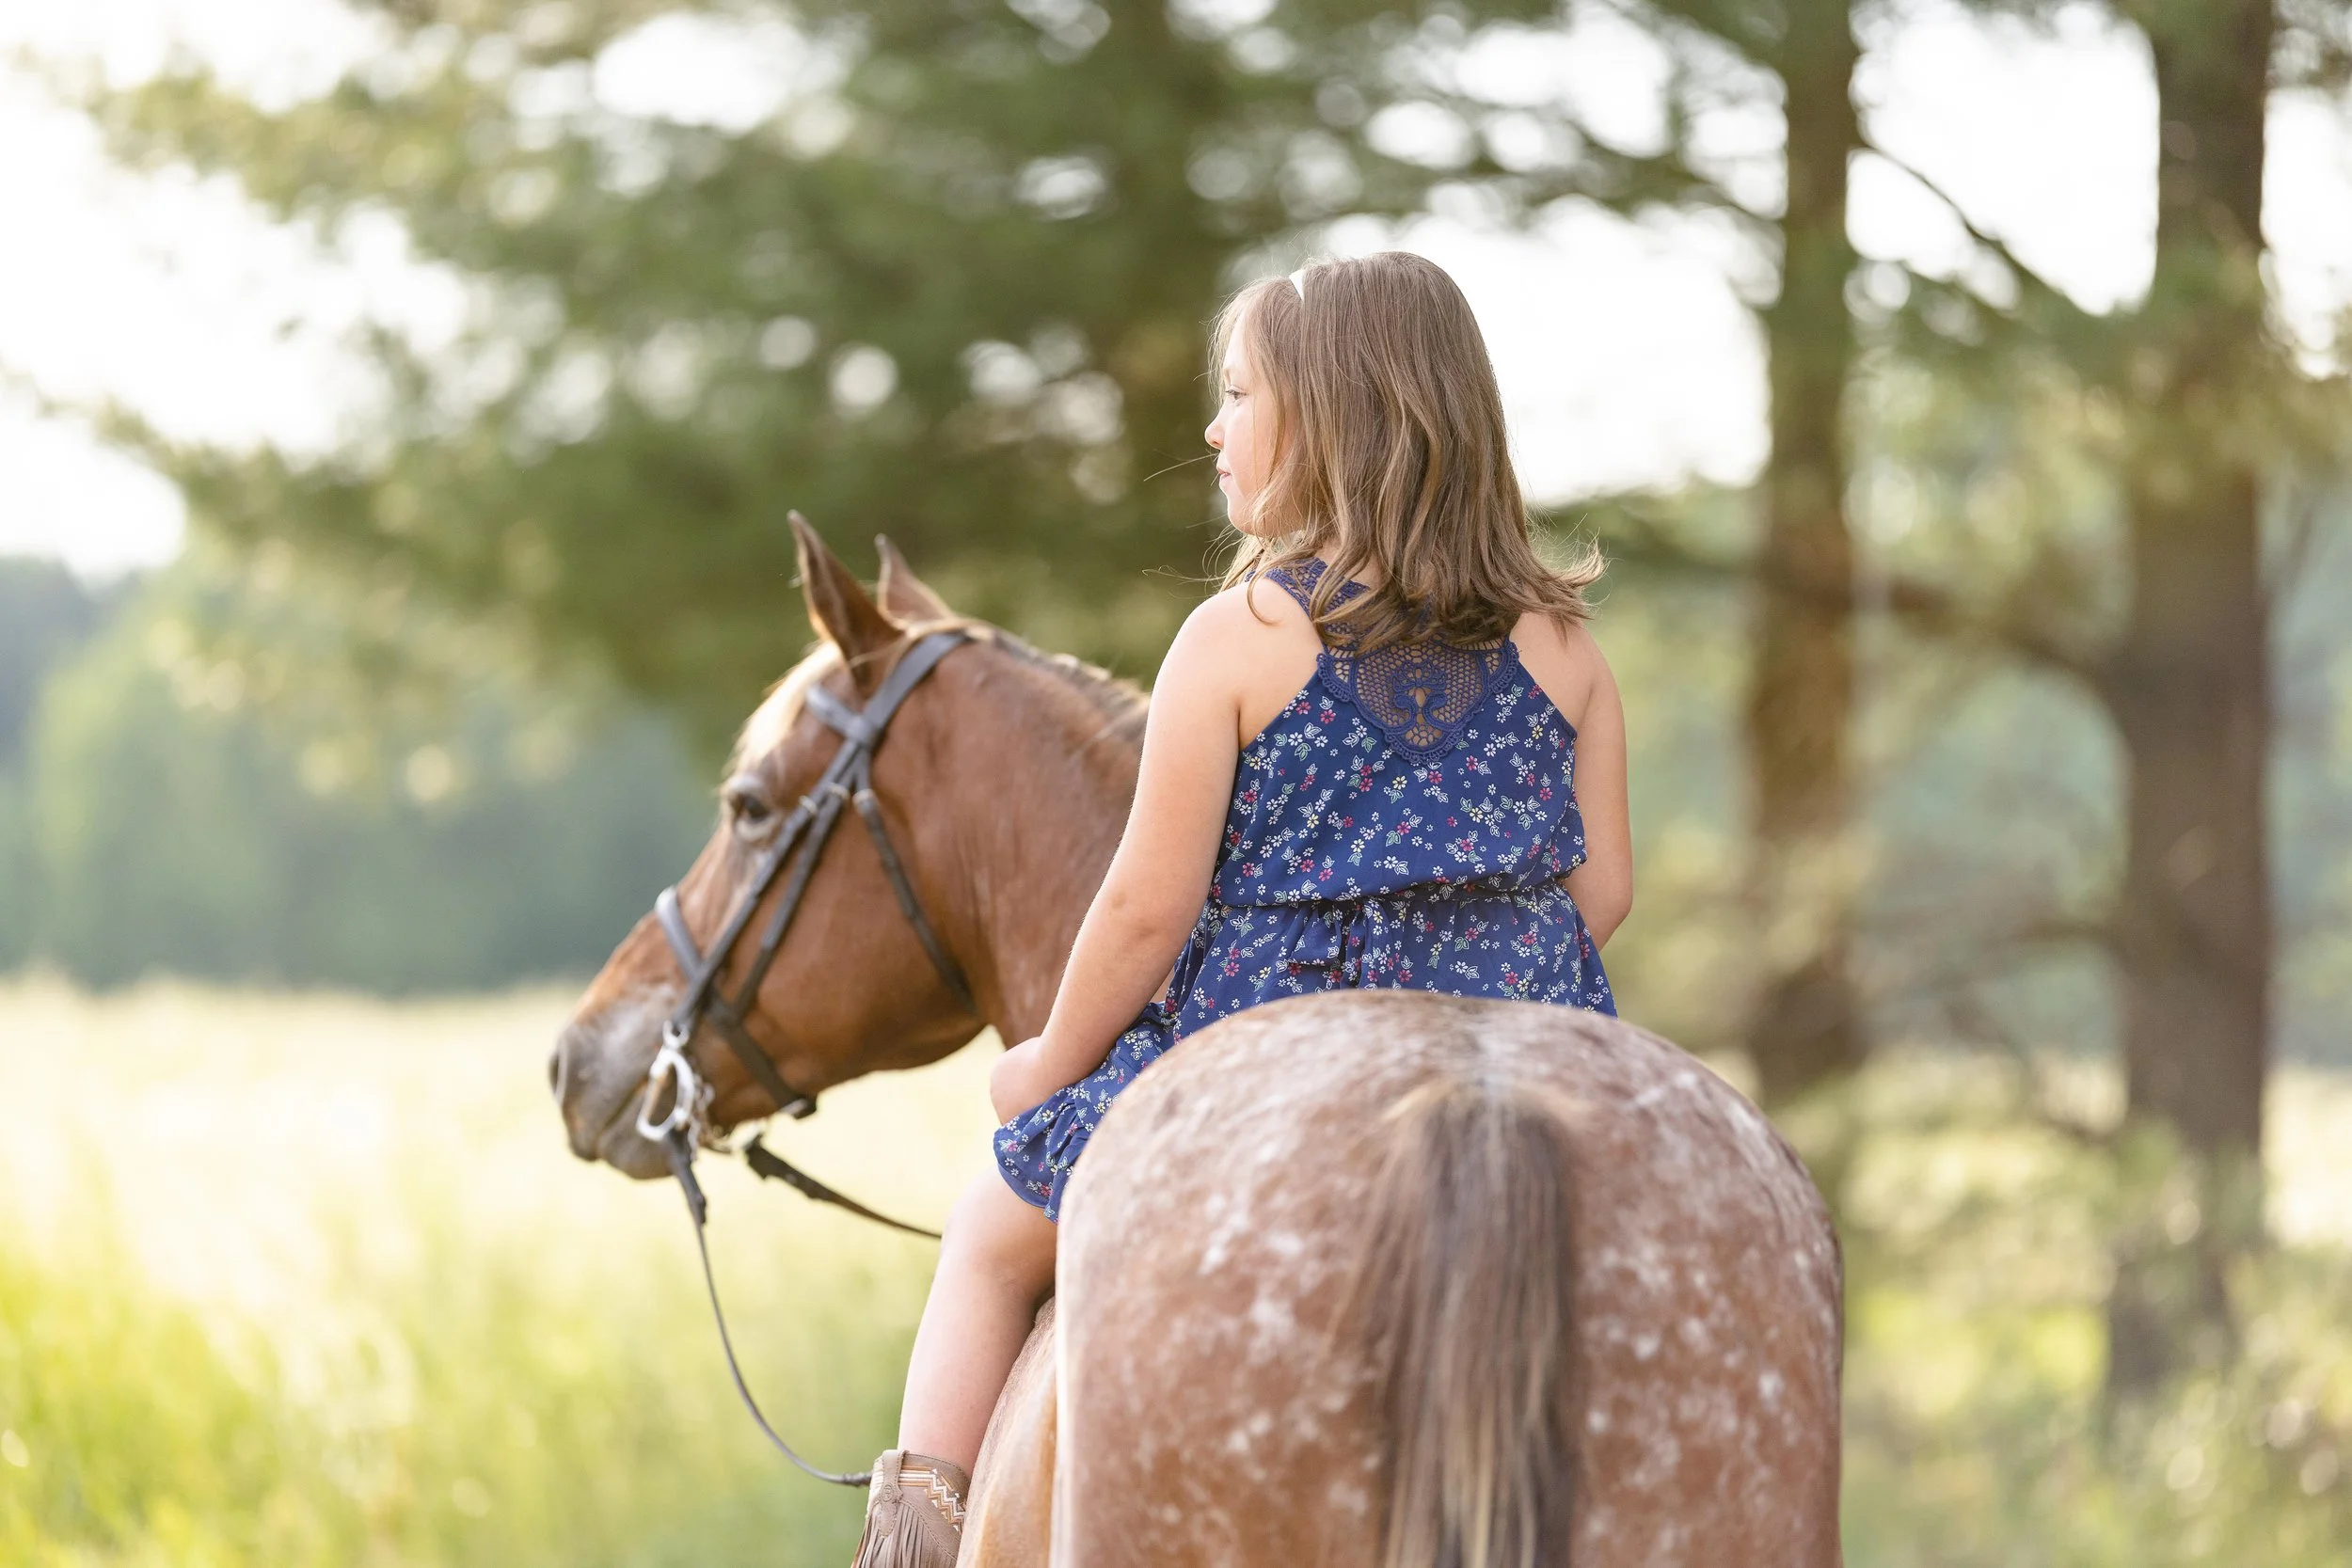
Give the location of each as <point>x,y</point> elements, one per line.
<point>905,598</point>
<point>838,607</point>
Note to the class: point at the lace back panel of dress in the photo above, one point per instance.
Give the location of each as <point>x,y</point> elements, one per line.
<point>1420,693</point>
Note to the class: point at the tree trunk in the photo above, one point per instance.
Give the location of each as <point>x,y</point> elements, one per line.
<point>1804,1028</point>
<point>2190,689</point>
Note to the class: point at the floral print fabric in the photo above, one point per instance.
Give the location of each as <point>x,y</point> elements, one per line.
<point>1359,854</point>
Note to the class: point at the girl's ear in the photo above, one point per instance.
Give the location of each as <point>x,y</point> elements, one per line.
<point>905,598</point>
<point>838,607</point>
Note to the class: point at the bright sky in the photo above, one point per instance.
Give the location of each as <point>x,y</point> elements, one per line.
<point>1625,353</point>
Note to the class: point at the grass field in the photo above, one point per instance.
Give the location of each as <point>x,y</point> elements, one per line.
<point>292,1281</point>
<point>289,1281</point>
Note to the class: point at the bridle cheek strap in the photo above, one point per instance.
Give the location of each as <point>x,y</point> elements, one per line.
<point>801,838</point>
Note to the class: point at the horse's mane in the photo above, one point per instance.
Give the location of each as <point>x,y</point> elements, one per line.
<point>1121,703</point>
<point>1118,699</point>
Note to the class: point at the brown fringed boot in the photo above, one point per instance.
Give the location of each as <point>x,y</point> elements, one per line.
<point>914,1513</point>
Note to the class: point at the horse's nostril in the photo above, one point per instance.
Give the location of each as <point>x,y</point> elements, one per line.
<point>555,1071</point>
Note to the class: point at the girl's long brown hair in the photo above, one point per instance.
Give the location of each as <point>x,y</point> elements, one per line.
<point>1390,454</point>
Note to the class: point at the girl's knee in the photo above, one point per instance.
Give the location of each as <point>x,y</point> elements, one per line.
<point>994,1230</point>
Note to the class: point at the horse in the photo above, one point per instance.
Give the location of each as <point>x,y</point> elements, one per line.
<point>1368,1276</point>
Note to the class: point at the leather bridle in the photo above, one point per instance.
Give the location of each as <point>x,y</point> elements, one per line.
<point>848,781</point>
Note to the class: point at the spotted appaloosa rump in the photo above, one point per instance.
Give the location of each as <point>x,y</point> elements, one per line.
<point>1225,1396</point>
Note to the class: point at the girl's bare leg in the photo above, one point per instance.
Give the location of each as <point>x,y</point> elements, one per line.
<point>995,1266</point>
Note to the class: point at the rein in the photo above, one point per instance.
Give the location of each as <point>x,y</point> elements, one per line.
<point>848,781</point>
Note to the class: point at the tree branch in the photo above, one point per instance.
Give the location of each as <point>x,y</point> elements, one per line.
<point>1923,606</point>
<point>2035,284</point>
<point>1936,610</point>
<point>1969,1016</point>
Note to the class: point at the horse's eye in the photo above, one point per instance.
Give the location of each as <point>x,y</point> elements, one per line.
<point>749,809</point>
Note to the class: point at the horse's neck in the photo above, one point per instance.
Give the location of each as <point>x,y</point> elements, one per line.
<point>1040,833</point>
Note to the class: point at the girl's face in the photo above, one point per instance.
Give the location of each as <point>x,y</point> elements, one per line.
<point>1243,434</point>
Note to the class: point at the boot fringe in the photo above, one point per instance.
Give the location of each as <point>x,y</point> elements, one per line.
<point>893,1540</point>
<point>914,1514</point>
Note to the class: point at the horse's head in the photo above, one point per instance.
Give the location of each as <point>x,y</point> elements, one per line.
<point>852,987</point>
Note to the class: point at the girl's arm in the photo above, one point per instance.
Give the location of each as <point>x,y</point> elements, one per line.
<point>1603,885</point>
<point>1158,879</point>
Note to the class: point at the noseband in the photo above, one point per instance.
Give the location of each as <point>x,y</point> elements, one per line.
<point>847,780</point>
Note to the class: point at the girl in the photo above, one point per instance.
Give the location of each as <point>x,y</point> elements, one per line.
<point>1357,771</point>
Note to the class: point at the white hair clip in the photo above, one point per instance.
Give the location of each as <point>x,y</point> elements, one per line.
<point>1298,284</point>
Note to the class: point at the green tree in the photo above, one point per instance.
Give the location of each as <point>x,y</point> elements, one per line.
<point>44,614</point>
<point>189,805</point>
<point>954,287</point>
<point>2188,681</point>
<point>2161,609</point>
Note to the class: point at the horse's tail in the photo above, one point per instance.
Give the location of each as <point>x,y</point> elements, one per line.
<point>1468,1279</point>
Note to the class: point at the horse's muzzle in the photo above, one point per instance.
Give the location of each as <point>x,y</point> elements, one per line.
<point>598,1074</point>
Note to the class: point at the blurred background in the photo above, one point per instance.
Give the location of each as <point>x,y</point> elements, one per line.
<point>399,404</point>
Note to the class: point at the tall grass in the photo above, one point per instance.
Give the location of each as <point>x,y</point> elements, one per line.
<point>290,1281</point>
<point>309,1281</point>
<point>1978,1245</point>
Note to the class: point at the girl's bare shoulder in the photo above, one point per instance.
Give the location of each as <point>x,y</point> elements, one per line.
<point>1251,621</point>
<point>1257,603</point>
<point>1565,663</point>
<point>1260,643</point>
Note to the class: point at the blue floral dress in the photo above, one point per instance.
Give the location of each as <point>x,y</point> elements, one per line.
<point>1402,823</point>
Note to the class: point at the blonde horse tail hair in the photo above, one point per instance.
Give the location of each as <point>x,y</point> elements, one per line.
<point>1465,1298</point>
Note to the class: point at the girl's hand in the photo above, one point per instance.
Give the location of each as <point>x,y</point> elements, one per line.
<point>1016,1083</point>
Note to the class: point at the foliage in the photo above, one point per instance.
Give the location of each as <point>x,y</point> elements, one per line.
<point>952,286</point>
<point>207,793</point>
<point>1989,837</point>
<point>1686,962</point>
<point>669,317</point>
<point>44,614</point>
<point>1995,562</point>
<point>1978,1226</point>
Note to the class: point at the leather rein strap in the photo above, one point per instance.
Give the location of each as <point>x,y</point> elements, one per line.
<point>849,779</point>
